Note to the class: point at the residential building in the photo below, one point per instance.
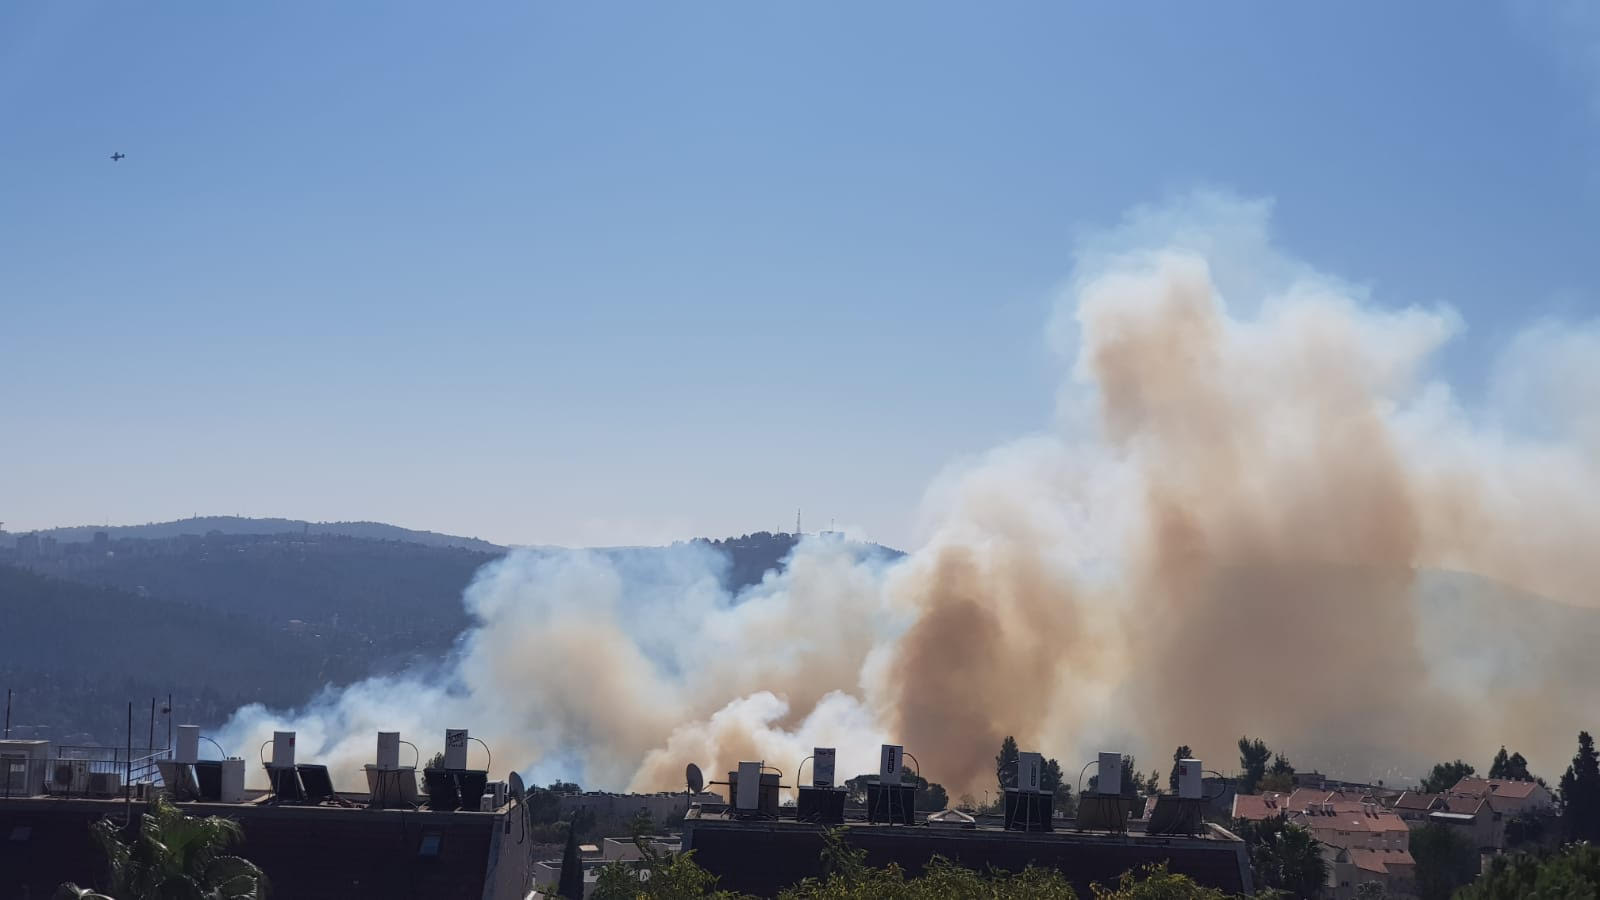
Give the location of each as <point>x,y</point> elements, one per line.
<point>1361,840</point>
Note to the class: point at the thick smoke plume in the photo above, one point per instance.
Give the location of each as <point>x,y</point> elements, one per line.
<point>1263,510</point>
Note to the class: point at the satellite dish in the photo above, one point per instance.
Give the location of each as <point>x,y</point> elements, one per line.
<point>517,789</point>
<point>692,777</point>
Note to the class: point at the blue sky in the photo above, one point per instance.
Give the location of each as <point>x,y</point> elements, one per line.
<point>596,273</point>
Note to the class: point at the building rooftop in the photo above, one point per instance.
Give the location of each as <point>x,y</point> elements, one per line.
<point>1380,861</point>
<point>1416,800</point>
<point>763,856</point>
<point>1499,787</point>
<point>313,852</point>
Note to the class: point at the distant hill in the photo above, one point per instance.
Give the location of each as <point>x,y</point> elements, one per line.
<point>76,654</point>
<point>231,610</point>
<point>202,525</point>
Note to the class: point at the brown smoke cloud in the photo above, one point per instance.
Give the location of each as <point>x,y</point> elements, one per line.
<point>1252,519</point>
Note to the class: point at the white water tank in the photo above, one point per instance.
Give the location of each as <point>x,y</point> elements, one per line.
<point>1030,772</point>
<point>188,748</point>
<point>890,762</point>
<point>455,748</point>
<point>282,749</point>
<point>232,780</point>
<point>747,793</point>
<point>388,750</point>
<point>1110,774</point>
<point>1190,779</point>
<point>822,767</point>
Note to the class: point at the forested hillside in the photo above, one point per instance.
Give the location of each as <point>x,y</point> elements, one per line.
<point>75,654</point>
<point>222,619</point>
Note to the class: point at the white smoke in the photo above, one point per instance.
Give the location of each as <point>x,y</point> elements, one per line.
<point>1222,535</point>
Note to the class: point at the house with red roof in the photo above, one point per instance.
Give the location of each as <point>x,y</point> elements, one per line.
<point>1361,839</point>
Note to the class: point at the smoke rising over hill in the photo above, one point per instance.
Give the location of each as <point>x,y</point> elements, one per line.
<point>1254,469</point>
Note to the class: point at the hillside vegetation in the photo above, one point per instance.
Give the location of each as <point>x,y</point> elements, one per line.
<point>224,618</point>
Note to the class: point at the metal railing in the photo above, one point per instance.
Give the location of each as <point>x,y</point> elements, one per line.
<point>77,771</point>
<point>134,767</point>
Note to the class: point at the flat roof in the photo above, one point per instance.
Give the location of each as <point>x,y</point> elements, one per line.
<point>763,856</point>
<point>255,800</point>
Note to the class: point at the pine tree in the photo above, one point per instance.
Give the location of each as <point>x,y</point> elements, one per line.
<point>1050,778</point>
<point>571,883</point>
<point>1511,766</point>
<point>1580,792</point>
<point>1497,769</point>
<point>1005,764</point>
<point>1253,756</point>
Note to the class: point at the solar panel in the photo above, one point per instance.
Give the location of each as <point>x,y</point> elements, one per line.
<point>316,782</point>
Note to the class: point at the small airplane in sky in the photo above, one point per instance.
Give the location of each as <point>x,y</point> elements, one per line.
<point>116,157</point>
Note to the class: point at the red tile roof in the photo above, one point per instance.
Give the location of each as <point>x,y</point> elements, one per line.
<point>1379,861</point>
<point>1466,804</point>
<point>1258,807</point>
<point>1500,787</point>
<point>1416,800</point>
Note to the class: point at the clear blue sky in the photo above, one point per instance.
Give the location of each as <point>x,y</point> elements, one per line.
<point>601,273</point>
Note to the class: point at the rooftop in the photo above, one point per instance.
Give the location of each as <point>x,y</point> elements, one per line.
<point>763,856</point>
<point>307,851</point>
<point>1499,787</point>
<point>1379,861</point>
<point>1416,800</point>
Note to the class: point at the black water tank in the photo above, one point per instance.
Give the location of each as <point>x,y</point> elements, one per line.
<point>893,804</point>
<point>1027,811</point>
<point>824,806</point>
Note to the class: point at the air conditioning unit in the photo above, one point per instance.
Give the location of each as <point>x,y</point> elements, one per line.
<point>69,776</point>
<point>494,796</point>
<point>105,784</point>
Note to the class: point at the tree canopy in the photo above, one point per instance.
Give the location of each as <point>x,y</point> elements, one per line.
<point>1512,766</point>
<point>1580,792</point>
<point>1005,764</point>
<point>1445,775</point>
<point>174,855</point>
<point>1445,859</point>
<point>1572,871</point>
<point>1285,857</point>
<point>1253,757</point>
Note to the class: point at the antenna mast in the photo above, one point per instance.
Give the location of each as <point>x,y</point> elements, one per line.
<point>797,521</point>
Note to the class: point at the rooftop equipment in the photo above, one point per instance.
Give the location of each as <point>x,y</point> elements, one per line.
<point>821,802</point>
<point>888,800</point>
<point>23,766</point>
<point>389,784</point>
<point>188,747</point>
<point>753,790</point>
<point>1183,813</point>
<point>281,773</point>
<point>453,786</point>
<point>1104,808</point>
<point>1028,807</point>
